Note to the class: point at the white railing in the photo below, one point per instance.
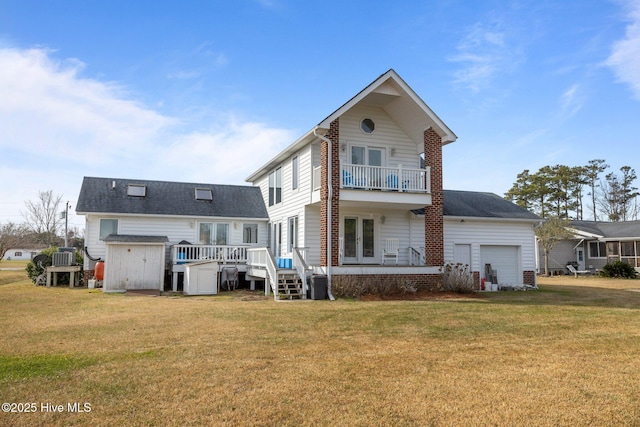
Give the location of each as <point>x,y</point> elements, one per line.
<point>315,179</point>
<point>182,254</point>
<point>261,257</point>
<point>301,267</point>
<point>416,256</point>
<point>386,178</point>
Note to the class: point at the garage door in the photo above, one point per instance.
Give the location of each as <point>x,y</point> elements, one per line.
<point>503,259</point>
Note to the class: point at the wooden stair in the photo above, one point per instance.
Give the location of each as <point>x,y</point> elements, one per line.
<point>290,286</point>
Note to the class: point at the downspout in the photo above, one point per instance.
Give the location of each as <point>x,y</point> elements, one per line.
<point>329,209</point>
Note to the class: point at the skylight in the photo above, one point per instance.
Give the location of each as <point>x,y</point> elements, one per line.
<point>203,194</point>
<point>137,190</point>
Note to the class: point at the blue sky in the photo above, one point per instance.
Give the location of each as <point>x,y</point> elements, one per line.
<point>207,91</point>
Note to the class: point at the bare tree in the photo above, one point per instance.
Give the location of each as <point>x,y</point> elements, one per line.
<point>42,216</point>
<point>592,175</point>
<point>549,233</point>
<point>11,236</point>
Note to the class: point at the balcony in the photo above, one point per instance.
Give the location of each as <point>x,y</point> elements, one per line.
<point>384,178</point>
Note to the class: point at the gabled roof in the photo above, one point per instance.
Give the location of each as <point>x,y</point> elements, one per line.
<point>472,204</point>
<point>109,196</point>
<point>610,230</point>
<point>393,94</point>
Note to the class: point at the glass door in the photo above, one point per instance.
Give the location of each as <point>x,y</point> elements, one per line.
<point>358,240</point>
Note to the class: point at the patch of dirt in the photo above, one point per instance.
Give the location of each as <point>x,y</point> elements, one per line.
<point>422,296</point>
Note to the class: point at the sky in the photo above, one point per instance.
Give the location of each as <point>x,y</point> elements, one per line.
<point>209,91</point>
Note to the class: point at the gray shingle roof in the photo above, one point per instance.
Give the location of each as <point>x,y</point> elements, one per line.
<point>98,195</point>
<point>481,205</point>
<point>611,230</point>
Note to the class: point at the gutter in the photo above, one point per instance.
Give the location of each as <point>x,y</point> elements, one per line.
<point>329,209</point>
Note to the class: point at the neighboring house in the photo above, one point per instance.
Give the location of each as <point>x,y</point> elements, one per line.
<point>137,227</point>
<point>21,254</point>
<point>594,245</point>
<point>369,178</point>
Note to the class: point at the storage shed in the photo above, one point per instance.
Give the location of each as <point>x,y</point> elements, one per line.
<point>134,262</point>
<point>201,278</point>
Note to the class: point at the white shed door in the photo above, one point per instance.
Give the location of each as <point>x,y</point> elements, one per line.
<point>503,259</point>
<point>462,254</point>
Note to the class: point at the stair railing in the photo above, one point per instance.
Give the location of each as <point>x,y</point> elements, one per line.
<point>302,268</point>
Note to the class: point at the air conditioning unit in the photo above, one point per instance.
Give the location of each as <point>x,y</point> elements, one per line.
<point>62,259</point>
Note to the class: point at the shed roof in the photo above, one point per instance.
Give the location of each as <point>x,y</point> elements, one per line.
<point>109,196</point>
<point>129,238</point>
<point>481,205</point>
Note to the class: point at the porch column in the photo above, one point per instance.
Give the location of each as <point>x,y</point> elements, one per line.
<point>334,136</point>
<point>433,222</point>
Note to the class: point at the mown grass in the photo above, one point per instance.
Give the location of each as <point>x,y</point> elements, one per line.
<point>568,354</point>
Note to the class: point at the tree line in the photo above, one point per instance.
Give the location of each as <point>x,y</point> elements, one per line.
<point>42,226</point>
<point>561,191</point>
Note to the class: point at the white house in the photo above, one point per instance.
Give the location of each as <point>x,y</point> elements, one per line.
<point>362,194</point>
<point>358,197</point>
<point>144,228</point>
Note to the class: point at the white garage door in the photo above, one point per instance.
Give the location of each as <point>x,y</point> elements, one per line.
<point>503,259</point>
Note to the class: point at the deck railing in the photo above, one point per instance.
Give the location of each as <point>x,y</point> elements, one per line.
<point>182,254</point>
<point>261,257</point>
<point>398,178</point>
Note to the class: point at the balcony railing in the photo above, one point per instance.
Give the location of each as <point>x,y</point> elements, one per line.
<point>182,254</point>
<point>398,178</point>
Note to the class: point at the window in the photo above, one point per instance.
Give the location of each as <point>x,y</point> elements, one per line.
<point>137,190</point>
<point>203,194</point>
<point>17,253</point>
<point>294,173</point>
<point>627,249</point>
<point>293,233</point>
<point>367,126</point>
<point>275,187</point>
<point>597,250</point>
<point>107,227</point>
<point>249,233</point>
<point>213,233</point>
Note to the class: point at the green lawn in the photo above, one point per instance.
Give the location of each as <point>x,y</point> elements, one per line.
<point>568,354</point>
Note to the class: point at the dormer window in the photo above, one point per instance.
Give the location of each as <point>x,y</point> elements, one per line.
<point>136,190</point>
<point>204,194</point>
<point>367,126</point>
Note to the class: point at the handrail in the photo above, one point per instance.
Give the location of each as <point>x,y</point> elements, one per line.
<point>262,257</point>
<point>301,268</point>
<point>416,256</point>
<point>182,254</point>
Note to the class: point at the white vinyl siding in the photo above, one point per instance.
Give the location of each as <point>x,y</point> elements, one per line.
<point>175,228</point>
<point>487,233</point>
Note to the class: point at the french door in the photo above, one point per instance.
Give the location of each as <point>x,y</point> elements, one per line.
<point>358,240</point>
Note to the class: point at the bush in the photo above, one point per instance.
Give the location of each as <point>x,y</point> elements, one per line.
<point>33,270</point>
<point>354,287</point>
<point>457,278</point>
<point>619,269</point>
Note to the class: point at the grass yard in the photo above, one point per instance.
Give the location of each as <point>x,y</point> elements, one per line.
<point>566,355</point>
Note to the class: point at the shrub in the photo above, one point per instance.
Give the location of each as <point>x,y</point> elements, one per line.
<point>619,269</point>
<point>457,278</point>
<point>33,270</point>
<point>354,287</point>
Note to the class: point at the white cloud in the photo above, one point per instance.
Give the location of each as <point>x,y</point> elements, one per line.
<point>59,126</point>
<point>482,53</point>
<point>571,101</point>
<point>625,56</point>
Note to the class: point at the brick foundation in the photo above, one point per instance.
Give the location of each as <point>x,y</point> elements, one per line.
<point>420,281</point>
<point>529,277</point>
